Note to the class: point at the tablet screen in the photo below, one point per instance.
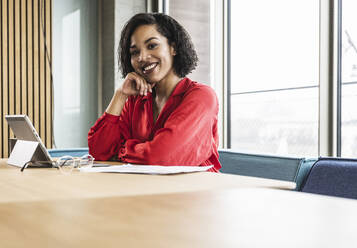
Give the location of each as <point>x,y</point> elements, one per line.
<point>24,130</point>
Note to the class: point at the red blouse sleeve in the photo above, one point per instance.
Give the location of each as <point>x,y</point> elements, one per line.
<point>187,135</point>
<point>109,133</point>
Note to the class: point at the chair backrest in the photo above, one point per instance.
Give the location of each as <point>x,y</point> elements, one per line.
<point>332,176</point>
<point>266,166</point>
<point>74,152</point>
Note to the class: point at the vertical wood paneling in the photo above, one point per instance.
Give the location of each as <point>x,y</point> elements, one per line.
<point>1,79</point>
<point>36,67</point>
<point>23,82</point>
<point>25,74</point>
<point>5,79</point>
<point>11,61</point>
<point>49,105</point>
<point>42,71</point>
<point>17,57</point>
<point>30,59</point>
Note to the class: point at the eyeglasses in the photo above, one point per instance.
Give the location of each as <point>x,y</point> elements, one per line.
<point>65,164</point>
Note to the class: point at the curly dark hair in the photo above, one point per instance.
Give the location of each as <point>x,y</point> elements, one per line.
<point>185,60</point>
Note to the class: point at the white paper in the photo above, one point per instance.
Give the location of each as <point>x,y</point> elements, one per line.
<point>22,153</point>
<point>147,169</point>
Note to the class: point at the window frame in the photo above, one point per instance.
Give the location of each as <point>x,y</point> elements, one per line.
<point>329,124</point>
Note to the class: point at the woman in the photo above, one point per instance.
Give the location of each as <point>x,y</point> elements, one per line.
<point>158,116</point>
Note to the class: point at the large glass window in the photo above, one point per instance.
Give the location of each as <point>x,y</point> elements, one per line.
<point>274,74</point>
<point>349,78</point>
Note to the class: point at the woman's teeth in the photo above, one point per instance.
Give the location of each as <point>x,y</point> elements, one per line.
<point>149,67</point>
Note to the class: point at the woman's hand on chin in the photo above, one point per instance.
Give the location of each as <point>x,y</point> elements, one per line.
<point>134,84</point>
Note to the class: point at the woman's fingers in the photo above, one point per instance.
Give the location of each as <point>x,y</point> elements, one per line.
<point>142,90</point>
<point>151,86</point>
<point>140,85</point>
<point>137,82</point>
<point>144,87</point>
<point>137,86</point>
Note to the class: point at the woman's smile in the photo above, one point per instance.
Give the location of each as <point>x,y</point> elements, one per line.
<point>149,68</point>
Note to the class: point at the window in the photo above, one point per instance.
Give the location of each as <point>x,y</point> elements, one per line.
<point>274,58</point>
<point>349,79</point>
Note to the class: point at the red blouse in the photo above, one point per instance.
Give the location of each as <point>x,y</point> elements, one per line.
<point>185,132</point>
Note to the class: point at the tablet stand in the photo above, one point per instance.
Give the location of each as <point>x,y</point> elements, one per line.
<point>25,151</point>
<point>12,142</point>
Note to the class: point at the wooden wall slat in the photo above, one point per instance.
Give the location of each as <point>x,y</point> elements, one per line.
<point>25,73</point>
<point>42,73</point>
<point>17,49</point>
<point>1,83</point>
<point>23,57</point>
<point>49,105</point>
<point>36,66</point>
<point>30,59</point>
<point>5,79</point>
<point>11,61</point>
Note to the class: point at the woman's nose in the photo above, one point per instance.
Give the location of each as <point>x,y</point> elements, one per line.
<point>144,55</point>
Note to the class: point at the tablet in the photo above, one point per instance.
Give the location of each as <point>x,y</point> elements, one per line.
<point>23,129</point>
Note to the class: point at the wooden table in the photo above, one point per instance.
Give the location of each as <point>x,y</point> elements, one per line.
<point>245,217</point>
<point>43,208</point>
<point>50,184</point>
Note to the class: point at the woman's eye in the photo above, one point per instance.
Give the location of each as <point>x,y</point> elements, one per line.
<point>152,46</point>
<point>134,52</point>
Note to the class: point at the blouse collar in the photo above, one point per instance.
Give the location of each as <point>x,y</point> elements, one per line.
<point>180,88</point>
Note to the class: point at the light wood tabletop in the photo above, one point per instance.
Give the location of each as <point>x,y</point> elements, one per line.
<point>44,208</point>
<point>50,184</point>
<point>241,217</point>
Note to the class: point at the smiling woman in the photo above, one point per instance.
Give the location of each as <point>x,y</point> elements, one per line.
<point>158,115</point>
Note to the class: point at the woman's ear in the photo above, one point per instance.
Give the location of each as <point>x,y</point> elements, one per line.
<point>173,49</point>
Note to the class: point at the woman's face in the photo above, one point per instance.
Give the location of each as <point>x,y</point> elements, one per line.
<point>151,55</point>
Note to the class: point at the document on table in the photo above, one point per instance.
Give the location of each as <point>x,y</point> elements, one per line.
<point>147,169</point>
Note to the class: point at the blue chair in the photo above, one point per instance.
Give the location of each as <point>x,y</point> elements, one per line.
<point>333,177</point>
<point>74,152</point>
<point>265,166</point>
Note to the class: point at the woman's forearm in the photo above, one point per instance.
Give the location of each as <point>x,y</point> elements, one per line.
<point>117,103</point>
